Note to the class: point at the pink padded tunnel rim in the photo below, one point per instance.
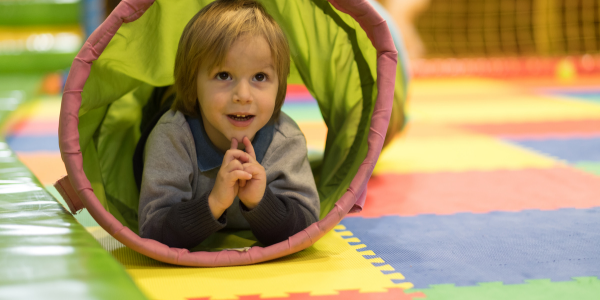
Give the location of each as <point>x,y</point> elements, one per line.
<point>130,10</point>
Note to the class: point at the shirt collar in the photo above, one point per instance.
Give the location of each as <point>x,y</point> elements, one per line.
<point>210,157</point>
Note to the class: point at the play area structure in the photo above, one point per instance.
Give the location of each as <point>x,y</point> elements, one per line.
<point>477,178</point>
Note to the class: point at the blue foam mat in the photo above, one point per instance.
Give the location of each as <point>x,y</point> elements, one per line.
<point>33,143</point>
<point>303,111</point>
<point>593,96</point>
<point>465,249</point>
<point>572,150</point>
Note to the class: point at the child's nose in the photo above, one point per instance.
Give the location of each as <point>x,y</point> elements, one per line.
<point>242,93</point>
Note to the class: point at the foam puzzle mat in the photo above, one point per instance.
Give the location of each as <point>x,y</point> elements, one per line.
<point>491,192</point>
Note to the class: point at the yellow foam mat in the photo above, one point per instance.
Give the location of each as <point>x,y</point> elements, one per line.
<point>456,153</point>
<point>329,266</point>
<point>42,109</point>
<point>524,109</point>
<point>23,32</point>
<point>47,110</point>
<point>424,88</point>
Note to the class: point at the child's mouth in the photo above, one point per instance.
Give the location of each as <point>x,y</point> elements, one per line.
<point>240,120</point>
<point>241,117</point>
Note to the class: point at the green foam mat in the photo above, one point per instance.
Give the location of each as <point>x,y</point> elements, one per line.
<point>591,167</point>
<point>581,288</point>
<point>39,12</point>
<point>35,62</point>
<point>44,252</point>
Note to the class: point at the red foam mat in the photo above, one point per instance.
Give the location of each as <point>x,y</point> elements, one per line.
<point>34,127</point>
<point>577,128</point>
<point>392,294</point>
<point>480,192</point>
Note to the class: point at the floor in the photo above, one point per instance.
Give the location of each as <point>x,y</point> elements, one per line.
<point>492,192</point>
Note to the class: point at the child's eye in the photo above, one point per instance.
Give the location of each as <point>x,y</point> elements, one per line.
<point>223,76</point>
<point>260,77</point>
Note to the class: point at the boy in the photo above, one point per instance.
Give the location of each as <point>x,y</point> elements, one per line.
<point>231,74</point>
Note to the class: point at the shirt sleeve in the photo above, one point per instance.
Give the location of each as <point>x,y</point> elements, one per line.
<point>276,218</point>
<point>169,211</point>
<point>291,202</point>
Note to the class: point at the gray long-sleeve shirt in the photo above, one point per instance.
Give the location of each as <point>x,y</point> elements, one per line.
<point>174,192</point>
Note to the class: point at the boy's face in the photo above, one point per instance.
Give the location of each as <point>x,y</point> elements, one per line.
<point>238,98</point>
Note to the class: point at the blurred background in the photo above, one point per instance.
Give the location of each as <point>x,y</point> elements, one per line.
<point>499,37</point>
<point>442,37</point>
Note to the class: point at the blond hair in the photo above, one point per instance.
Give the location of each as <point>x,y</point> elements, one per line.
<point>208,37</point>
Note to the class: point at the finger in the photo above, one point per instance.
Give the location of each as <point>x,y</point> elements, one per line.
<point>234,144</point>
<point>253,169</point>
<point>234,165</point>
<point>235,154</point>
<point>249,147</point>
<point>237,165</point>
<point>236,175</point>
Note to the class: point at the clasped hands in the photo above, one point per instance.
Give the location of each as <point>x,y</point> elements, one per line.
<point>240,175</point>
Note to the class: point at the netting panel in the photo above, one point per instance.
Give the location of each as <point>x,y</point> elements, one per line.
<point>491,28</point>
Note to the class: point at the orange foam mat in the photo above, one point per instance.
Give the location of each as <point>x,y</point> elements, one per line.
<point>480,192</point>
<point>423,130</point>
<point>581,82</point>
<point>48,167</point>
<point>329,266</point>
<point>315,133</point>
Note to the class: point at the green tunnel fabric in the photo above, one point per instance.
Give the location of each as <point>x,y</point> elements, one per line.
<point>330,54</point>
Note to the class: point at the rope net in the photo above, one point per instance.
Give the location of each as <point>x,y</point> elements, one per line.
<point>509,37</point>
<point>492,28</point>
